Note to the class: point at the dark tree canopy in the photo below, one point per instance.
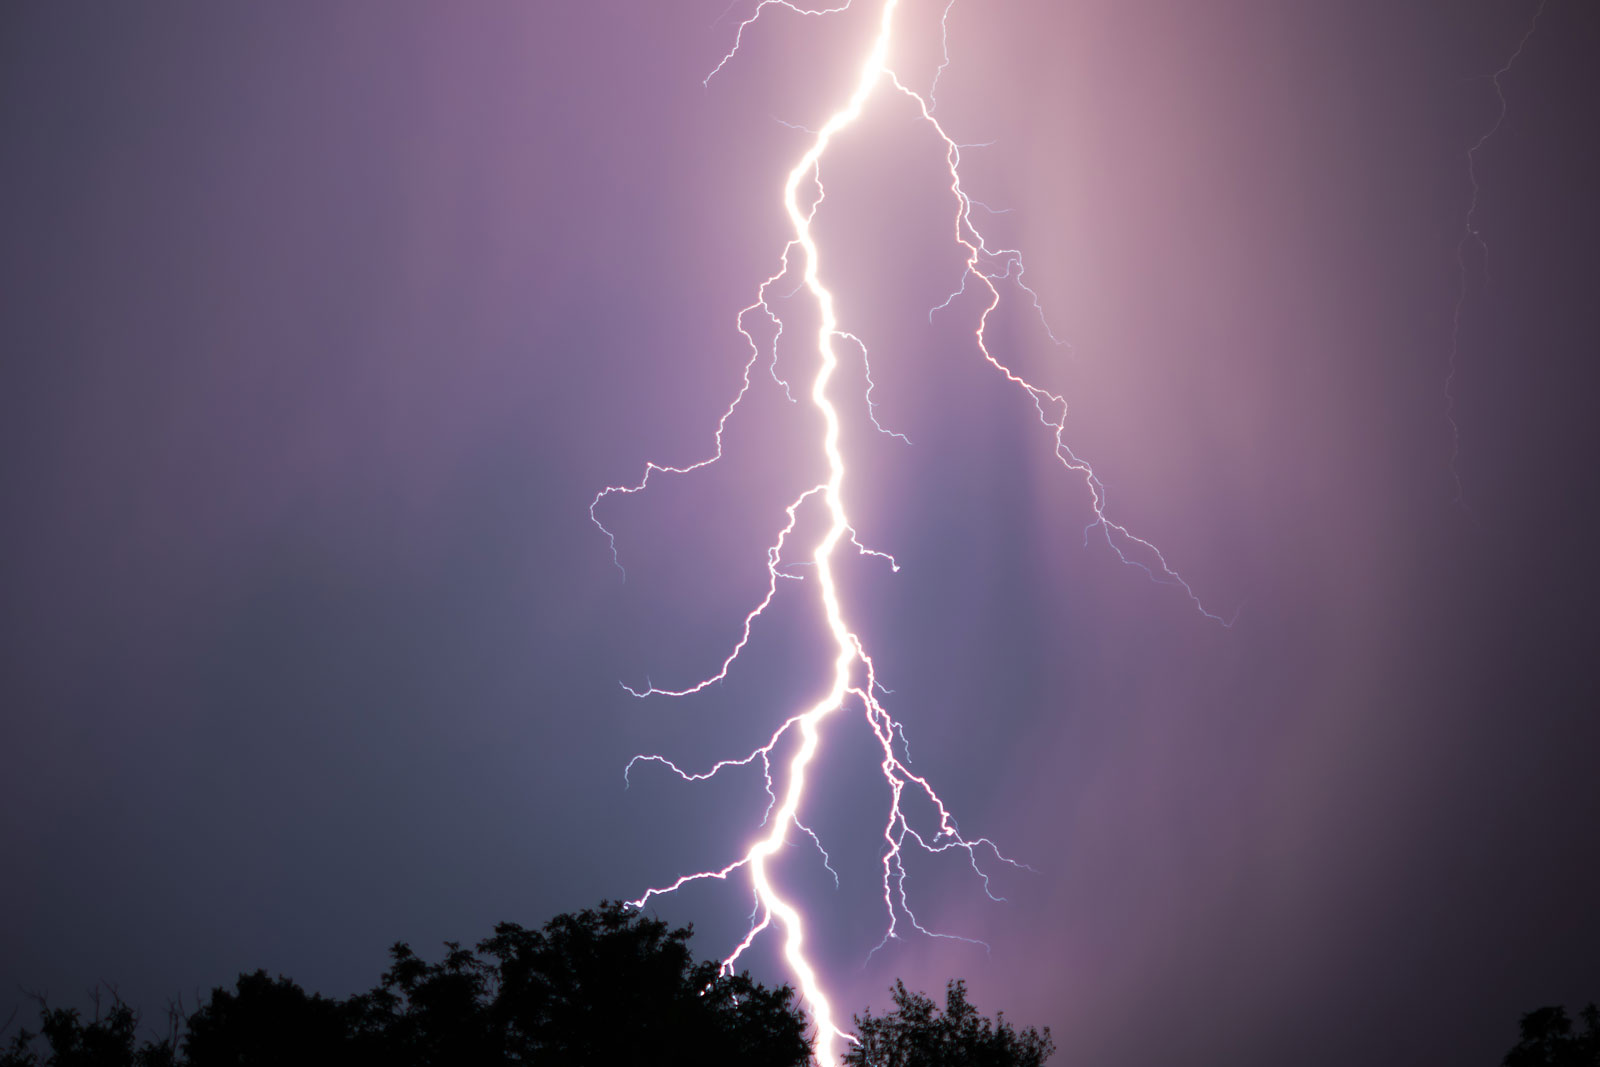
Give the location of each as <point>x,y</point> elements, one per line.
<point>1548,1040</point>
<point>107,1040</point>
<point>264,1021</point>
<point>608,986</point>
<point>917,1034</point>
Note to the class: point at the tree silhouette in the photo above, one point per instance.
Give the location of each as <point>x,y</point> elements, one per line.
<point>264,1022</point>
<point>917,1034</point>
<point>593,988</point>
<point>658,1005</point>
<point>604,986</point>
<point>1548,1040</point>
<point>104,1041</point>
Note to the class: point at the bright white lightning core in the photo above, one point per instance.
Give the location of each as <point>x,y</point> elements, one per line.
<point>854,675</point>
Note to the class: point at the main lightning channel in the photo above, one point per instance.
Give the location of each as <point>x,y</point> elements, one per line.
<point>855,677</point>
<point>849,650</point>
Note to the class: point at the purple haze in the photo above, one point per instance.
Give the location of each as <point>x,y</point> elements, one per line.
<point>322,323</point>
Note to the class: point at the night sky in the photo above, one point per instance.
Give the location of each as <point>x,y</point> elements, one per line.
<point>321,325</point>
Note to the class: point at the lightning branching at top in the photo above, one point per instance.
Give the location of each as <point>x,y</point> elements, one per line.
<point>785,759</point>
<point>1472,236</point>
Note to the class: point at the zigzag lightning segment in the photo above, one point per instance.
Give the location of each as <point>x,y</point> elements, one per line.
<point>854,676</point>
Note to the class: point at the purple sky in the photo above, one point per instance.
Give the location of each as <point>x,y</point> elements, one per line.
<point>321,325</point>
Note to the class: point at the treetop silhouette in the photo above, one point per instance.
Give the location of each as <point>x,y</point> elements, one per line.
<point>917,1034</point>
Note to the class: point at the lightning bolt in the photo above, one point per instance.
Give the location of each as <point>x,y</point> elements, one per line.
<point>1470,236</point>
<point>855,680</point>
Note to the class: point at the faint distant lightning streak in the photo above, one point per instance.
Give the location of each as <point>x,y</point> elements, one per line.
<point>1471,235</point>
<point>854,675</point>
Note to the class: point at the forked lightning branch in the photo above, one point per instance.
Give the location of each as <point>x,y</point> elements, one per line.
<point>787,757</point>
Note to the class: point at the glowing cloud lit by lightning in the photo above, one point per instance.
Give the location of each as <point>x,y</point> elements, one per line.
<point>787,756</point>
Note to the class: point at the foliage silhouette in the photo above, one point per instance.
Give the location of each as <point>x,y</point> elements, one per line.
<point>265,1021</point>
<point>1548,1040</point>
<point>104,1041</point>
<point>917,1034</point>
<point>599,987</point>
